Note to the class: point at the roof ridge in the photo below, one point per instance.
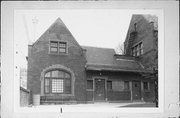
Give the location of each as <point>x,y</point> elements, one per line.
<point>97,47</point>
<point>57,20</point>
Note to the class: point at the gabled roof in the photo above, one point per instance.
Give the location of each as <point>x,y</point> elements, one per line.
<point>105,59</point>
<point>139,19</point>
<point>152,19</point>
<point>58,27</point>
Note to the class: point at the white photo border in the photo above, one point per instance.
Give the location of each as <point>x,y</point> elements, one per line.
<point>13,86</point>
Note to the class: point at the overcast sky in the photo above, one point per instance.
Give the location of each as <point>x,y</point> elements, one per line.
<point>91,27</point>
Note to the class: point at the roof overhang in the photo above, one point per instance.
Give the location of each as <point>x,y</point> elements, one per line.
<point>114,69</point>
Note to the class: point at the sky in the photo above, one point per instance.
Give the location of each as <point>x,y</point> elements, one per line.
<point>90,27</point>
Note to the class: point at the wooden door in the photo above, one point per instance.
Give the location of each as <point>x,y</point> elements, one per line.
<point>136,90</point>
<point>99,93</point>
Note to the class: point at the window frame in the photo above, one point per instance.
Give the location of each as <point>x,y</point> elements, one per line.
<point>49,86</point>
<point>127,89</point>
<point>57,78</point>
<point>148,86</point>
<point>51,46</point>
<point>51,90</point>
<point>137,49</point>
<point>108,86</point>
<point>58,47</point>
<point>61,47</point>
<point>90,89</point>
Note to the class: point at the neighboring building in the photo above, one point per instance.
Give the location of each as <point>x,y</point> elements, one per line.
<point>23,78</point>
<point>24,92</point>
<point>62,71</point>
<point>142,42</point>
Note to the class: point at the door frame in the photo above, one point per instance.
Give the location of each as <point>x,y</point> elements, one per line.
<point>140,90</point>
<point>105,82</point>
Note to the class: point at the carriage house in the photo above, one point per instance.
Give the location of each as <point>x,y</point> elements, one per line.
<point>62,71</point>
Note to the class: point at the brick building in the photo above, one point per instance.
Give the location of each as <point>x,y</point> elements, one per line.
<point>142,39</point>
<point>62,71</point>
<point>142,43</point>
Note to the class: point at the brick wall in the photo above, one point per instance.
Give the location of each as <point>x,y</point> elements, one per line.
<point>116,95</point>
<point>145,34</point>
<point>39,58</point>
<point>121,76</point>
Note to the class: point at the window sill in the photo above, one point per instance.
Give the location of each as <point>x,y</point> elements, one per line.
<point>57,94</point>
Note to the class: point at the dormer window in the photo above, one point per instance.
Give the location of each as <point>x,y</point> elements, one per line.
<point>58,47</point>
<point>137,50</point>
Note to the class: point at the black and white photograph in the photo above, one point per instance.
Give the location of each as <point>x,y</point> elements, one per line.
<point>88,57</point>
<point>94,59</point>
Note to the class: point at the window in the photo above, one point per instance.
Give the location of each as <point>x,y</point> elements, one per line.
<point>146,85</point>
<point>47,85</point>
<point>57,81</point>
<point>126,85</point>
<point>62,47</point>
<point>109,85</point>
<point>58,47</point>
<point>57,86</point>
<point>54,46</point>
<point>135,26</point>
<point>137,50</point>
<point>89,84</point>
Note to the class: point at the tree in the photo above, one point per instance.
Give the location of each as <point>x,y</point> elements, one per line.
<point>120,49</point>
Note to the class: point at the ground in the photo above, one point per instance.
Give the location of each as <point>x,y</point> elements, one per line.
<point>109,105</point>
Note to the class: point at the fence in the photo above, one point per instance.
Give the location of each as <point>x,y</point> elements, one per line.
<point>24,97</point>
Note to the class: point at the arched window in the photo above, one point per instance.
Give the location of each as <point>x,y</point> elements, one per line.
<point>57,81</point>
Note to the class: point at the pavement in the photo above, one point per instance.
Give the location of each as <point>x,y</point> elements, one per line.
<point>106,104</point>
<point>140,105</point>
